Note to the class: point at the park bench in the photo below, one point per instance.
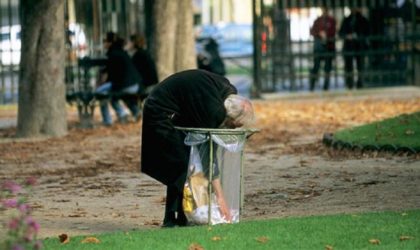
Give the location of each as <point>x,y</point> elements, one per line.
<point>81,91</point>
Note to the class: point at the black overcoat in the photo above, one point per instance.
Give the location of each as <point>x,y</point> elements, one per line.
<point>145,66</point>
<point>358,25</point>
<point>121,70</point>
<point>192,98</point>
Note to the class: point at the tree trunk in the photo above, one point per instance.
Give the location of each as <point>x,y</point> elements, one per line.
<point>42,106</point>
<point>172,36</point>
<point>185,57</point>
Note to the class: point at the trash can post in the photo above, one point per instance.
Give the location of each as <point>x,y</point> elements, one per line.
<point>210,175</point>
<point>241,185</point>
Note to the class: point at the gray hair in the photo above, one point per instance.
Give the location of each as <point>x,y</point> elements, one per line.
<point>240,110</point>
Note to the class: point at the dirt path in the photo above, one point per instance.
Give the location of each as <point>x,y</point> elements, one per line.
<point>89,181</point>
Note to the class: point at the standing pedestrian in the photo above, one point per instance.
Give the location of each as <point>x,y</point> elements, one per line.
<point>323,30</point>
<point>354,30</point>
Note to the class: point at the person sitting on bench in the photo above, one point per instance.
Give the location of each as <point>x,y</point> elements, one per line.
<point>122,81</point>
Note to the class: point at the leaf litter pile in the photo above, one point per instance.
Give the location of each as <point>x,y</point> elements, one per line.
<point>91,176</point>
<point>297,127</point>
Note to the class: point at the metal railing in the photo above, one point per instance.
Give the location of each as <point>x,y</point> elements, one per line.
<point>287,47</point>
<point>9,50</point>
<point>94,18</point>
<point>286,55</point>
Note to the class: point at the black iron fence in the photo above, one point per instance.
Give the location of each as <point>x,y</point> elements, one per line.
<point>285,54</point>
<point>86,22</point>
<point>383,50</point>
<point>9,49</point>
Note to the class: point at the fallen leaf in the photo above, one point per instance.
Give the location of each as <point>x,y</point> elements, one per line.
<point>64,238</point>
<point>104,163</point>
<point>262,239</point>
<point>304,163</point>
<point>91,240</point>
<point>75,215</point>
<point>36,205</point>
<point>409,132</point>
<point>405,237</point>
<point>195,246</point>
<point>216,238</point>
<point>328,247</point>
<point>152,223</point>
<point>374,241</point>
<point>62,200</point>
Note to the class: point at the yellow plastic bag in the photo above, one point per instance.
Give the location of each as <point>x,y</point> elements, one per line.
<point>195,193</point>
<point>187,200</point>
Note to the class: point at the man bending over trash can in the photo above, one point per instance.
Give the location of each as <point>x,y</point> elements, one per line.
<point>192,98</point>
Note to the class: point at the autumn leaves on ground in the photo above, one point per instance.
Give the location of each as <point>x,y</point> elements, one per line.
<point>89,180</point>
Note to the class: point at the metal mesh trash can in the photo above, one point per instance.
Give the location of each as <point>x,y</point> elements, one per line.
<point>213,191</point>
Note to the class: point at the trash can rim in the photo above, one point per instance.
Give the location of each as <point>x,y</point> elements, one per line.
<point>221,131</point>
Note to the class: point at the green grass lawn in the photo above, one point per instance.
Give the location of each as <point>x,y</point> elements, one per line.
<point>390,230</point>
<point>401,131</point>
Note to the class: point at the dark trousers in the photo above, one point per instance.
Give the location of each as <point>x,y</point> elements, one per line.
<point>327,69</point>
<point>348,68</point>
<point>132,103</point>
<point>174,213</point>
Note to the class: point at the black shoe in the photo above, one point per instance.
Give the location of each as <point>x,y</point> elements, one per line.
<point>169,224</point>
<point>123,119</point>
<point>107,124</point>
<point>169,220</point>
<point>181,220</point>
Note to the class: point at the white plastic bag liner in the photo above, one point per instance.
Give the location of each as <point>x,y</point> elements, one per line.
<point>195,138</point>
<point>232,143</point>
<point>227,157</point>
